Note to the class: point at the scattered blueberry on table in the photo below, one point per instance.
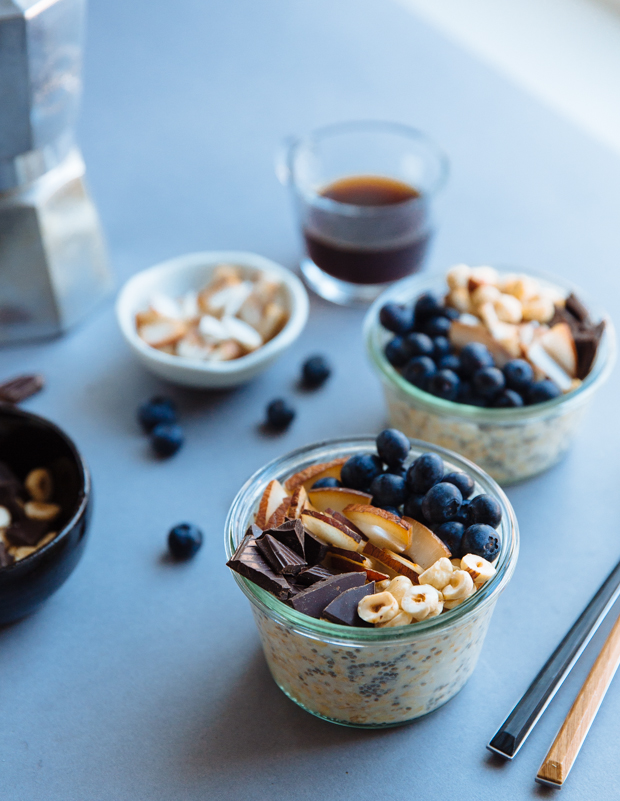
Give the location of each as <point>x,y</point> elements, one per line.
<point>167,439</point>
<point>315,371</point>
<point>155,411</point>
<point>279,414</point>
<point>184,541</point>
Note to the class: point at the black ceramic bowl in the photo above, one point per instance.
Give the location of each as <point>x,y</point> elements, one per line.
<point>28,441</point>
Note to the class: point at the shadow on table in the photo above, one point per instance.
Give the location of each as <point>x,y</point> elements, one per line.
<point>258,722</point>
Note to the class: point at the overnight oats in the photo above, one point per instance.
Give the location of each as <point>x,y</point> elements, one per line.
<point>497,366</point>
<point>373,568</point>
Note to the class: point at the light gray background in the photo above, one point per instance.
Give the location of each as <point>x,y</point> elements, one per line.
<point>142,680</point>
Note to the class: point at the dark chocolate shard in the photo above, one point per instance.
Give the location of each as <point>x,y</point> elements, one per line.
<point>5,557</point>
<point>254,531</point>
<point>314,549</point>
<point>248,562</point>
<point>310,575</point>
<point>290,534</point>
<point>282,559</point>
<point>586,343</point>
<point>576,308</point>
<point>343,609</point>
<point>26,531</point>
<point>20,388</point>
<point>313,601</point>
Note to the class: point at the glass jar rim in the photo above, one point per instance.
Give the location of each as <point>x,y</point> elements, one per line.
<point>294,146</point>
<point>239,517</point>
<point>409,288</point>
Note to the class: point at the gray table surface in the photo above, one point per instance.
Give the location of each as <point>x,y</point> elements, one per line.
<point>142,680</point>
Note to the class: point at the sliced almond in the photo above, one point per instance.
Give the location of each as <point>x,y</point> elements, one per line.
<point>394,562</point>
<point>539,357</point>
<point>226,351</point>
<point>280,514</point>
<point>243,333</point>
<point>166,306</point>
<point>5,517</point>
<point>331,531</point>
<point>559,343</point>
<point>311,474</point>
<point>382,528</point>
<point>425,547</point>
<point>299,502</point>
<point>336,498</point>
<point>160,334</point>
<point>272,321</point>
<point>461,334</point>
<point>273,496</point>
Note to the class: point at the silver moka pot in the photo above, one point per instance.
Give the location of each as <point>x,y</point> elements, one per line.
<point>53,267</point>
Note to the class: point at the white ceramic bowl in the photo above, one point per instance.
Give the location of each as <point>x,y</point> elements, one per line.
<point>192,271</point>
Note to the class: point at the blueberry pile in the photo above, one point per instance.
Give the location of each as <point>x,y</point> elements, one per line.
<point>422,353</point>
<point>425,492</point>
<point>158,419</point>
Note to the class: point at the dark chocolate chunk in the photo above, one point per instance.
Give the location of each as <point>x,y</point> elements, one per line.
<point>248,562</point>
<point>20,388</point>
<point>313,601</point>
<point>314,549</point>
<point>5,557</point>
<point>282,559</point>
<point>254,531</point>
<point>343,609</point>
<point>26,531</point>
<point>310,575</point>
<point>586,343</point>
<point>290,534</point>
<point>576,308</point>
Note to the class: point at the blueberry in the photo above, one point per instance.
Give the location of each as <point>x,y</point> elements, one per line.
<point>419,344</point>
<point>462,481</point>
<point>541,391</point>
<point>166,439</point>
<point>462,516</point>
<point>450,313</point>
<point>184,540</point>
<point>279,414</point>
<point>392,510</point>
<point>451,532</point>
<point>426,471</point>
<point>155,411</point>
<point>475,356</point>
<point>396,318</point>
<point>413,507</point>
<point>393,447</point>
<point>397,470</point>
<point>360,470</point>
<point>481,540</point>
<point>315,371</point>
<point>450,362</point>
<point>419,370</point>
<point>441,502</point>
<point>323,483</point>
<point>508,399</point>
<point>485,509</point>
<point>467,395</point>
<point>428,305</point>
<point>444,384</point>
<point>519,374</point>
<point>488,382</point>
<point>387,490</point>
<point>437,326</point>
<point>441,347</point>
<point>397,352</point>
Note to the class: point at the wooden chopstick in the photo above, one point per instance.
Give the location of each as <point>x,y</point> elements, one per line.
<point>570,738</point>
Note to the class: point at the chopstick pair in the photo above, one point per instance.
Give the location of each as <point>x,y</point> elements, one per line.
<point>515,729</point>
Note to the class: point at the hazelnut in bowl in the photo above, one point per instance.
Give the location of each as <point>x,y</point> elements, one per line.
<point>212,320</point>
<point>497,365</point>
<point>45,506</point>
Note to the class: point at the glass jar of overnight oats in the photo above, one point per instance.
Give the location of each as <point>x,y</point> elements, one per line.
<point>511,444</point>
<point>370,677</point>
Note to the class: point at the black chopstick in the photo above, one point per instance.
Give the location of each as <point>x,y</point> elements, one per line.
<point>512,734</point>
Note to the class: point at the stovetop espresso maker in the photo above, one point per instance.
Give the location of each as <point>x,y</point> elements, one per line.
<point>53,266</point>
